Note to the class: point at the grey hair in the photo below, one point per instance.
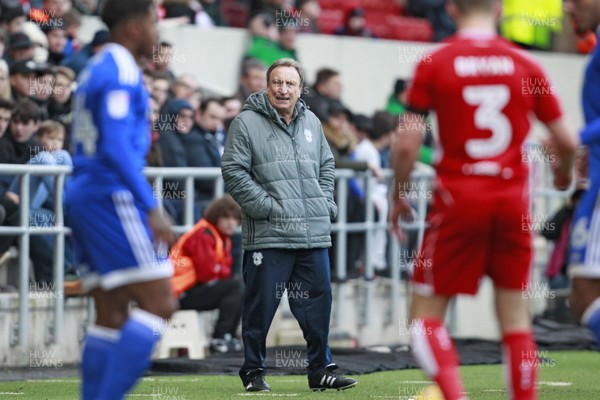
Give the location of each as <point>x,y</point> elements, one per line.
<point>287,62</point>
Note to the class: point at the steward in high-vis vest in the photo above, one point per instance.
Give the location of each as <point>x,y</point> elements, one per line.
<point>202,278</point>
<point>202,240</point>
<point>532,23</point>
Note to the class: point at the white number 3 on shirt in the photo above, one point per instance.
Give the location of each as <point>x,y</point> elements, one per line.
<point>490,100</point>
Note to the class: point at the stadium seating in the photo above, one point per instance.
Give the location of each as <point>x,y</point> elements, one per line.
<point>329,20</point>
<point>337,4</point>
<point>410,29</point>
<point>384,18</point>
<point>391,7</point>
<point>234,13</point>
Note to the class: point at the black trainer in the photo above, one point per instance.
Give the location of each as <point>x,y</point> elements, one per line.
<point>255,382</point>
<point>327,379</point>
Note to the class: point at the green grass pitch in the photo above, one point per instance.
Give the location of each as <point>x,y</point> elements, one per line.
<point>563,376</point>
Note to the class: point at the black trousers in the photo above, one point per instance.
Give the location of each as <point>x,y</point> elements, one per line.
<point>226,295</point>
<point>303,276</point>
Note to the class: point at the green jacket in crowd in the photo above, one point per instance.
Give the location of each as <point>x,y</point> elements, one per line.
<point>268,51</point>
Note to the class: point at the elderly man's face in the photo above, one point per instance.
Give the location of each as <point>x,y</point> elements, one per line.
<point>283,89</point>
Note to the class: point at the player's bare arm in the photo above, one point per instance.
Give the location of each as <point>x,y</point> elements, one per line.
<point>563,143</point>
<point>405,151</point>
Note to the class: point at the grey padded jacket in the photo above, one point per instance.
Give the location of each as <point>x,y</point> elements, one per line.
<point>281,176</point>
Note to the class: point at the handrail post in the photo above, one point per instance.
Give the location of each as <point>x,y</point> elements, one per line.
<point>422,208</point>
<point>342,232</point>
<point>219,187</point>
<point>59,260</point>
<point>369,219</point>
<point>23,330</point>
<point>157,188</point>
<point>189,202</point>
<point>340,250</point>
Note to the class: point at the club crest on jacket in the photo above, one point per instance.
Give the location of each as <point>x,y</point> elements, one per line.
<point>257,257</point>
<point>308,135</point>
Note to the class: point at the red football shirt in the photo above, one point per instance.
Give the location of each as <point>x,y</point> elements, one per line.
<point>483,90</point>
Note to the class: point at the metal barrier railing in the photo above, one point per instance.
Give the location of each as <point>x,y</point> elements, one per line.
<point>19,332</point>
<point>422,178</point>
<point>341,228</point>
<point>189,174</point>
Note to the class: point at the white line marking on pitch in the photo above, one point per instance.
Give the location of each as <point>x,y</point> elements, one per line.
<point>552,383</point>
<point>270,394</point>
<point>150,379</point>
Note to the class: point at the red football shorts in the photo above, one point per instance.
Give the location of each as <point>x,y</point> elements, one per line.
<point>478,226</point>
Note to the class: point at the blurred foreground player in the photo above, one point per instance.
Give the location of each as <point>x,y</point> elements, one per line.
<point>111,208</point>
<point>482,89</point>
<point>584,253</point>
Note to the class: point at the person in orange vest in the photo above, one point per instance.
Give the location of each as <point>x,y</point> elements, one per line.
<point>202,277</point>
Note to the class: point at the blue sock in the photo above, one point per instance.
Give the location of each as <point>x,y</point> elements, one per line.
<point>99,342</point>
<point>131,355</point>
<point>591,319</point>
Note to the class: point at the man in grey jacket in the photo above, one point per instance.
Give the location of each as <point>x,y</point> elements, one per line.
<point>278,166</point>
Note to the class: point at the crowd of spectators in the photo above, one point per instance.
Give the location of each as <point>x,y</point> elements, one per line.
<point>534,24</point>
<point>40,57</point>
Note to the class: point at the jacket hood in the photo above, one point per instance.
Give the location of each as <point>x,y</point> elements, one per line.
<point>177,105</point>
<point>259,102</point>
